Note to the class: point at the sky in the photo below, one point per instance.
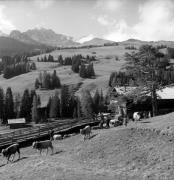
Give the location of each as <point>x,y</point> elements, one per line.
<point>115,20</point>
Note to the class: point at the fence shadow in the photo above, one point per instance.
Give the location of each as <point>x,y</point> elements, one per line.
<point>58,152</point>
<point>93,136</point>
<point>2,165</point>
<point>20,159</point>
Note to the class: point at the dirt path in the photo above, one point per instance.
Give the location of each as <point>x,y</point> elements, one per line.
<point>116,153</point>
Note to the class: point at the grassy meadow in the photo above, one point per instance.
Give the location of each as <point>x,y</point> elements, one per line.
<point>105,64</point>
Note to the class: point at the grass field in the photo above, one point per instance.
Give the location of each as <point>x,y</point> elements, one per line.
<point>104,65</point>
<point>116,153</point>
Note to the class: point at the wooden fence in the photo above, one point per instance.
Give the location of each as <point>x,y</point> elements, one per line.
<point>22,135</point>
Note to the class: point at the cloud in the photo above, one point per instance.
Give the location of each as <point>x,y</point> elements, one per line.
<point>44,4</point>
<point>156,22</point>
<point>86,38</point>
<point>40,25</point>
<point>109,5</point>
<point>121,31</point>
<point>105,20</point>
<point>5,24</point>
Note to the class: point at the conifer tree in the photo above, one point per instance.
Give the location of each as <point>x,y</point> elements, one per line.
<point>78,108</point>
<point>82,71</point>
<point>25,110</point>
<point>54,106</point>
<point>9,105</point>
<point>87,104</point>
<point>96,101</point>
<point>1,104</point>
<point>37,84</point>
<point>64,101</point>
<point>60,59</point>
<point>34,110</point>
<point>55,80</point>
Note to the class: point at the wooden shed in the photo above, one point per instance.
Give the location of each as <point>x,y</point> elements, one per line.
<point>16,123</point>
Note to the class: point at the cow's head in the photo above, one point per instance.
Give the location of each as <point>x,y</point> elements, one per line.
<point>4,152</point>
<point>34,145</point>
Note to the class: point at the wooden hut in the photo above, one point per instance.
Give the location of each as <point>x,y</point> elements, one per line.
<point>17,123</point>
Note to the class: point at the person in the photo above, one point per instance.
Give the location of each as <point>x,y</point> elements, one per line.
<point>101,120</point>
<point>108,120</point>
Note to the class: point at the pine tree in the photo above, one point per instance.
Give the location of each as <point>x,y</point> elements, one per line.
<point>40,79</point>
<point>45,58</point>
<point>34,110</point>
<point>37,84</point>
<point>17,105</point>
<point>25,110</point>
<point>60,59</point>
<point>147,65</point>
<point>9,105</point>
<point>55,80</point>
<point>90,71</point>
<point>44,76</point>
<point>79,114</point>
<point>64,101</point>
<point>55,106</point>
<point>87,104</point>
<point>96,101</point>
<point>1,104</point>
<point>47,81</point>
<point>82,72</point>
<point>101,102</point>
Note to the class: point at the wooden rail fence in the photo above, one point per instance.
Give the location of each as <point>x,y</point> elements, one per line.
<point>22,135</point>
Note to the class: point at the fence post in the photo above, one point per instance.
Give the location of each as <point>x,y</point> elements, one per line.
<point>12,138</point>
<point>39,131</point>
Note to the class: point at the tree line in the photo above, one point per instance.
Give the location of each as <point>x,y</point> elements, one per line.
<point>121,79</point>
<point>151,70</point>
<point>14,66</point>
<point>16,107</point>
<point>50,58</point>
<point>47,80</point>
<point>62,105</point>
<point>17,69</point>
<point>84,68</point>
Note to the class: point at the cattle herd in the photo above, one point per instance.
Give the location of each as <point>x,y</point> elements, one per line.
<point>47,144</point>
<point>41,145</point>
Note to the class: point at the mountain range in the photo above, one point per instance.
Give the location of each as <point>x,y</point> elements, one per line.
<point>41,38</point>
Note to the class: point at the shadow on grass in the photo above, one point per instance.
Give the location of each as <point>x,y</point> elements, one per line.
<point>14,161</point>
<point>145,122</point>
<point>58,152</point>
<point>93,136</point>
<point>19,159</point>
<point>2,165</point>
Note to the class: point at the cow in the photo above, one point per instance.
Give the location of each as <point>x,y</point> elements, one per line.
<point>57,137</point>
<point>11,150</point>
<point>40,145</point>
<point>136,116</point>
<point>86,132</point>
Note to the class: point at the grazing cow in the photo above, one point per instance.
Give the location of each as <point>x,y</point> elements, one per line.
<point>136,116</point>
<point>86,132</point>
<point>11,150</point>
<point>57,137</point>
<point>113,121</point>
<point>43,145</point>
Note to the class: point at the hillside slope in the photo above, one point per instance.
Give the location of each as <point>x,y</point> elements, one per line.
<point>97,41</point>
<point>10,46</point>
<point>116,153</point>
